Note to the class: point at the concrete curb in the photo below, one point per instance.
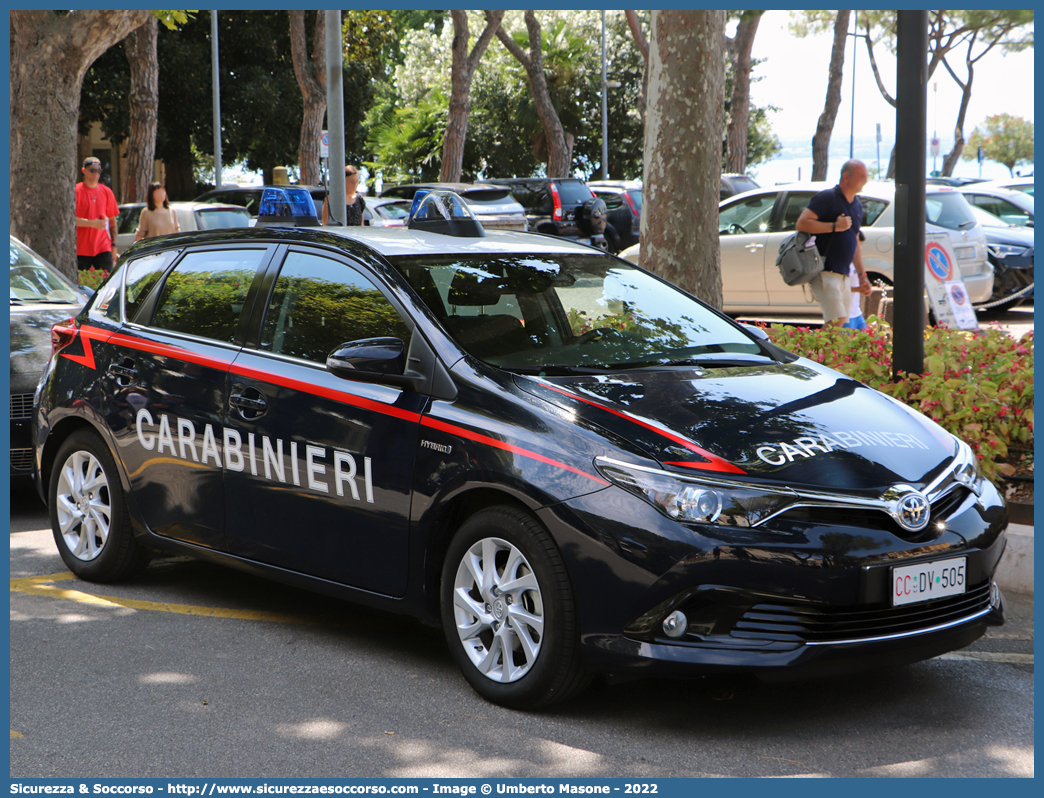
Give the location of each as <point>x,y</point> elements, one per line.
<point>1015,571</point>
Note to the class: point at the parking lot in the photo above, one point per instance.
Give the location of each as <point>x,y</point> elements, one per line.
<point>193,670</point>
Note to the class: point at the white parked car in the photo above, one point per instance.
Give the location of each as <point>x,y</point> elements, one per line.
<point>753,224</point>
<point>191,216</point>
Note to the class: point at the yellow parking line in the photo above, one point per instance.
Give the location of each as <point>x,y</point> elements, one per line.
<point>15,735</point>
<point>42,586</point>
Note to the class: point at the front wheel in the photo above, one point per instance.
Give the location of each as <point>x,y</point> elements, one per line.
<point>89,516</point>
<point>508,611</point>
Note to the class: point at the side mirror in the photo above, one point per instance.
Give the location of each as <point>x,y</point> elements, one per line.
<point>380,360</point>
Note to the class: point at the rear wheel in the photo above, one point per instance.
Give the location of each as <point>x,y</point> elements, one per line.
<point>89,516</point>
<point>508,611</point>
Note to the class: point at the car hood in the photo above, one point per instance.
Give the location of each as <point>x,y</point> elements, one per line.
<point>31,340</point>
<point>1016,236</point>
<point>801,423</point>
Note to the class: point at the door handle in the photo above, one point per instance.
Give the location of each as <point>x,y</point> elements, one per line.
<point>249,401</point>
<point>124,372</point>
<point>754,245</point>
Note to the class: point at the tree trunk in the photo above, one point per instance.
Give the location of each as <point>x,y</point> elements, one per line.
<point>311,77</point>
<point>954,155</point>
<point>559,144</point>
<point>739,115</point>
<point>683,150</point>
<point>643,47</point>
<point>825,128</point>
<point>464,66</point>
<point>49,56</point>
<point>140,47</point>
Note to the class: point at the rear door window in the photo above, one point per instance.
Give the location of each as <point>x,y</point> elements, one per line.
<point>205,292</point>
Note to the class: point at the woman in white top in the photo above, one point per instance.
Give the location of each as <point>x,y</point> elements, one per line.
<point>157,219</point>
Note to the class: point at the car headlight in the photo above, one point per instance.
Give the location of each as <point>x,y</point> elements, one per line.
<point>1005,250</point>
<point>698,500</point>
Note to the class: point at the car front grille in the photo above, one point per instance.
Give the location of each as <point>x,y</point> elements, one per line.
<point>21,405</point>
<point>804,624</point>
<point>21,459</point>
<point>942,508</point>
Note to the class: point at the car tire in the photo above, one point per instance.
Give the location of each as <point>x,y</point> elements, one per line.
<point>517,647</point>
<point>89,515</point>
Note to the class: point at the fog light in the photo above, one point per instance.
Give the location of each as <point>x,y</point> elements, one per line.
<point>675,624</point>
<point>994,599</point>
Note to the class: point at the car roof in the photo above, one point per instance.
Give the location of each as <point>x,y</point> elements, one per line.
<point>622,184</point>
<point>398,241</point>
<point>876,189</point>
<point>195,205</point>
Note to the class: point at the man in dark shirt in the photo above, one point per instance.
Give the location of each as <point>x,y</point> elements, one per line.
<point>833,217</point>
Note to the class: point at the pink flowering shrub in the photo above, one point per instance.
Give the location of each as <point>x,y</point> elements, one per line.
<point>979,386</point>
<point>92,277</point>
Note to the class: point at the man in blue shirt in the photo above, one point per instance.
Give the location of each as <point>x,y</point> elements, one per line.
<point>833,217</point>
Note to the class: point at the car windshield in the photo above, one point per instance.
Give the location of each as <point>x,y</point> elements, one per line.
<point>949,209</point>
<point>554,314</point>
<point>32,281</point>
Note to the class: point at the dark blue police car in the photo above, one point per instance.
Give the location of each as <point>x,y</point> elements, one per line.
<point>569,464</point>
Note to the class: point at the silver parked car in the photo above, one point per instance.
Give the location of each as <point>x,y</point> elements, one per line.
<point>753,224</point>
<point>492,205</point>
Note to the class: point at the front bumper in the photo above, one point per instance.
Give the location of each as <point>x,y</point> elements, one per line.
<point>810,597</point>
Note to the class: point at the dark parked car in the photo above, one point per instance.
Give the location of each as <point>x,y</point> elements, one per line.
<point>736,184</point>
<point>623,202</point>
<point>249,197</point>
<point>1010,250</point>
<point>569,464</point>
<point>560,206</point>
<point>40,297</point>
<point>492,205</point>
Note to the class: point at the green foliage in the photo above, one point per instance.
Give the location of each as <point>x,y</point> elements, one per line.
<point>407,147</point>
<point>1006,139</point>
<point>172,19</point>
<point>979,386</point>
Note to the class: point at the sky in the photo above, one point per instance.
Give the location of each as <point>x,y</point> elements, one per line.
<point>794,78</point>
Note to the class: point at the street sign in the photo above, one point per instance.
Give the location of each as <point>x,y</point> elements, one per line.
<point>935,146</point>
<point>982,154</point>
<point>945,286</point>
<point>324,144</point>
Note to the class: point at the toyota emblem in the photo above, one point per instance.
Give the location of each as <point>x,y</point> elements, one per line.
<point>913,511</point>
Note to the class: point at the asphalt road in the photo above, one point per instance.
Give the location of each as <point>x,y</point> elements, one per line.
<point>195,671</point>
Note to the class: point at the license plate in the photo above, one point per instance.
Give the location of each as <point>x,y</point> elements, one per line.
<point>965,253</point>
<point>929,580</point>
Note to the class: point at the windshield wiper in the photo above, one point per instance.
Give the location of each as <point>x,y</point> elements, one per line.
<point>718,360</point>
<point>969,223</point>
<point>554,370</point>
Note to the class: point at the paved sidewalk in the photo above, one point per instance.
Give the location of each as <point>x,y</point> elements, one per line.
<point>1016,569</point>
